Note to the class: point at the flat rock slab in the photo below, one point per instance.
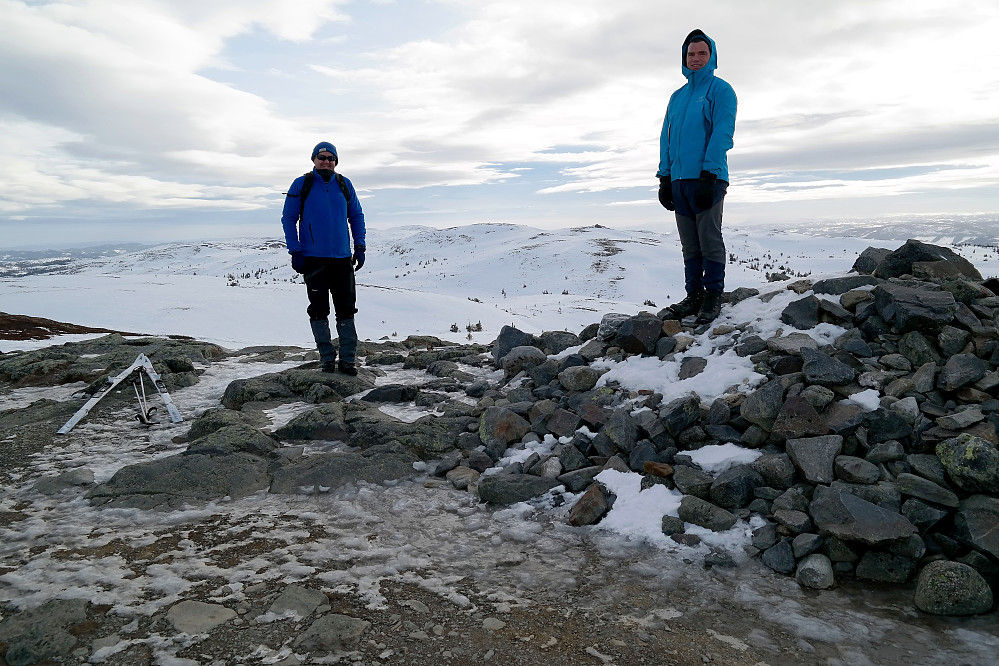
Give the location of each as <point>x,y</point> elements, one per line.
<point>333,470</point>
<point>182,478</point>
<point>197,617</point>
<point>236,438</point>
<point>850,518</point>
<point>502,424</point>
<point>924,489</point>
<point>40,634</point>
<point>815,457</point>
<point>324,422</point>
<point>299,601</point>
<point>841,285</point>
<point>512,488</point>
<point>976,524</point>
<point>913,309</point>
<point>289,384</point>
<point>705,514</point>
<point>333,633</point>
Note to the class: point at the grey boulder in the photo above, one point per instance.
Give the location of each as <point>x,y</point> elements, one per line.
<point>952,588</point>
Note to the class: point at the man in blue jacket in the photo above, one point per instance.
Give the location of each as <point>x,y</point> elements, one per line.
<point>693,174</point>
<point>321,215</point>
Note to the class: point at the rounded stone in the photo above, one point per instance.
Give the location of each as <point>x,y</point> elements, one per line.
<point>815,571</point>
<point>579,378</point>
<point>952,588</point>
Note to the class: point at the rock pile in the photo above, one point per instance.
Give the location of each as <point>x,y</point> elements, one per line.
<point>879,456</point>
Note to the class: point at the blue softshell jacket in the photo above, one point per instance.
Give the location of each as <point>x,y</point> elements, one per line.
<point>699,124</point>
<point>328,224</point>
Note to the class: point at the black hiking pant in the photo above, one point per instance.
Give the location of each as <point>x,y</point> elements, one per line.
<point>330,278</point>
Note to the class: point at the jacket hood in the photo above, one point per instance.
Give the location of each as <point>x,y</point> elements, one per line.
<point>712,61</point>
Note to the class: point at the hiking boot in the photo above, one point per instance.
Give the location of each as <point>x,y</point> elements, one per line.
<point>688,306</point>
<point>348,368</point>
<point>710,307</point>
<point>329,366</point>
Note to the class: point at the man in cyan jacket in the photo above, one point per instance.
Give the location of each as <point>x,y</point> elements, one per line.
<point>693,174</point>
<point>321,215</point>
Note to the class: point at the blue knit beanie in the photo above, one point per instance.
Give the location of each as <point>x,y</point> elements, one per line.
<point>325,145</point>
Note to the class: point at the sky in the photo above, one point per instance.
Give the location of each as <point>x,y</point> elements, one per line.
<point>154,120</point>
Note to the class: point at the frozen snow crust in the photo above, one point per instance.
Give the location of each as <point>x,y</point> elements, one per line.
<point>617,496</point>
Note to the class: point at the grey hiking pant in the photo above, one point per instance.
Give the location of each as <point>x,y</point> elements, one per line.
<point>701,239</point>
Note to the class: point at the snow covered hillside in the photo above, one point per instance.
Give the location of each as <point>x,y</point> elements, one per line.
<point>417,280</point>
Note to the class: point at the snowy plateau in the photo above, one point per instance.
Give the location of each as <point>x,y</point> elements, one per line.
<point>437,576</point>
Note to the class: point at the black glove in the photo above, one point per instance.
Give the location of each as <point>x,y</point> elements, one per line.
<point>298,262</point>
<point>358,257</point>
<point>704,193</point>
<point>666,193</point>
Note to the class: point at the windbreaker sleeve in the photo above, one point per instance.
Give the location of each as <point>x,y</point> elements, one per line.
<point>665,156</point>
<point>355,216</point>
<point>289,216</point>
<point>722,131</point>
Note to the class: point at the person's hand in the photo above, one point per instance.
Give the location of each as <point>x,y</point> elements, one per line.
<point>666,194</point>
<point>358,257</point>
<point>704,193</point>
<point>298,262</point>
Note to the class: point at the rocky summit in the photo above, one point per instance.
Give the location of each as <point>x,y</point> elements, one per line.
<point>875,488</point>
<point>877,462</point>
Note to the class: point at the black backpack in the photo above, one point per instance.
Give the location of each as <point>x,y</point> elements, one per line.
<point>307,187</point>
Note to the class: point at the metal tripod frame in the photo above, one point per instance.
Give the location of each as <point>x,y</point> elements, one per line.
<point>141,365</point>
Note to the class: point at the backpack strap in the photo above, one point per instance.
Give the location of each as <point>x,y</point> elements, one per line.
<point>306,188</point>
<point>310,178</point>
<point>343,187</point>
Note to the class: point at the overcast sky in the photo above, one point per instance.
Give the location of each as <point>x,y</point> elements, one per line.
<point>183,119</point>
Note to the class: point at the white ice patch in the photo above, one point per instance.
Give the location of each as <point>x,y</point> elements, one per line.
<point>8,346</point>
<point>22,397</point>
<point>724,371</point>
<point>637,516</point>
<point>395,374</point>
<point>869,400</point>
<point>281,415</point>
<point>565,353</point>
<point>523,451</point>
<point>716,458</point>
<point>638,513</point>
<point>766,322</point>
<point>405,412</point>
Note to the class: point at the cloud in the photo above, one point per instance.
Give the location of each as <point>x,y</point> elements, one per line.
<point>820,86</point>
<point>119,87</point>
<point>182,103</point>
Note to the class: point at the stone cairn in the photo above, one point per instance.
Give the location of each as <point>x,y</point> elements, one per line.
<point>909,489</point>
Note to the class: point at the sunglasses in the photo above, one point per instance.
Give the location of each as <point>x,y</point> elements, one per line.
<point>326,158</point>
